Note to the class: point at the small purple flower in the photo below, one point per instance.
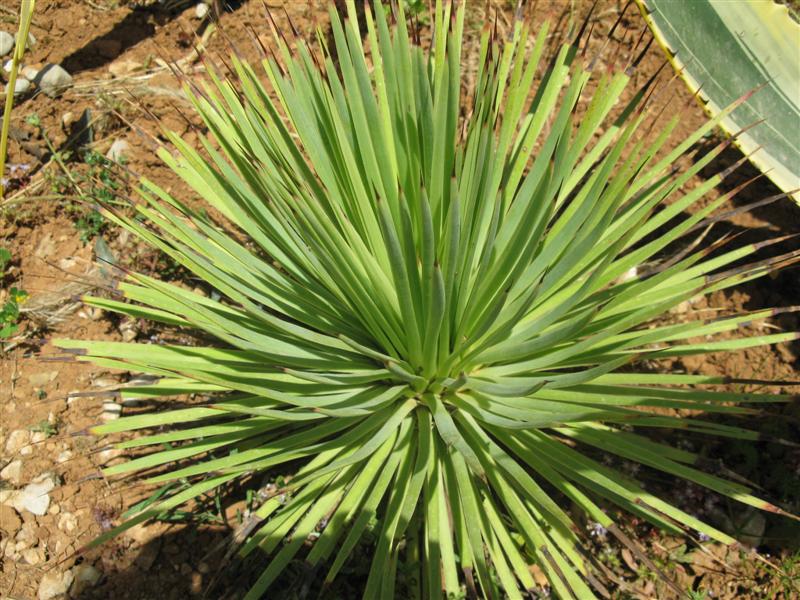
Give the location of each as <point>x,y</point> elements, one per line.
<point>597,530</point>
<point>19,168</point>
<point>702,536</point>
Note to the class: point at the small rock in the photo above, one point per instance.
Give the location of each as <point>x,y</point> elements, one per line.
<point>108,48</point>
<point>681,308</point>
<point>22,545</point>
<point>53,80</point>
<point>54,509</point>
<point>201,10</point>
<point>118,150</point>
<point>54,584</point>
<point>110,454</point>
<point>12,472</point>
<point>38,436</point>
<point>67,119</point>
<point>10,523</point>
<point>8,65</point>
<point>10,552</point>
<point>149,534</point>
<point>45,248</point>
<point>147,556</point>
<point>196,584</point>
<point>17,440</point>
<point>172,548</point>
<point>64,457</point>
<point>123,68</point>
<point>111,411</point>
<point>21,86</point>
<point>128,330</point>
<point>29,72</point>
<point>68,522</point>
<point>42,379</point>
<point>6,43</point>
<point>35,497</point>
<point>203,568</point>
<point>33,556</point>
<point>26,537</point>
<point>31,40</point>
<point>84,577</point>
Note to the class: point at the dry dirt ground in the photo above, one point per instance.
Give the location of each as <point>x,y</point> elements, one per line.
<point>122,90</point>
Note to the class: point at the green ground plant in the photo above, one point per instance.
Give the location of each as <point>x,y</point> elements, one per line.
<point>431,309</point>
<point>9,308</point>
<point>9,312</point>
<point>46,427</point>
<point>92,185</point>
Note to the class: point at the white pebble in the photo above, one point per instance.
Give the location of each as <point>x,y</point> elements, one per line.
<point>54,584</point>
<point>35,497</point>
<point>12,472</point>
<point>118,150</point>
<point>17,440</point>
<point>6,43</point>
<point>30,73</point>
<point>53,80</point>
<point>201,10</point>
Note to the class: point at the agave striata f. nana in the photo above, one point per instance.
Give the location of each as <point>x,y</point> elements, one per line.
<point>432,306</point>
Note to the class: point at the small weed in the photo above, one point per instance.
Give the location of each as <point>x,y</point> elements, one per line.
<point>416,8</point>
<point>9,312</point>
<point>681,554</point>
<point>90,224</point>
<point>46,427</point>
<point>91,178</point>
<point>789,577</point>
<point>5,259</point>
<point>610,558</point>
<point>99,186</point>
<point>9,309</point>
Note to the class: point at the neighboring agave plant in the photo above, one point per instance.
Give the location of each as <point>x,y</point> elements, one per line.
<point>429,314</point>
<point>725,49</point>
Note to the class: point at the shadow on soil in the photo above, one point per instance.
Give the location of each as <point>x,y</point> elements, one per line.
<point>182,564</point>
<point>135,27</point>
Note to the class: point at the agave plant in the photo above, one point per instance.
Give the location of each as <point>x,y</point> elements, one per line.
<point>431,310</point>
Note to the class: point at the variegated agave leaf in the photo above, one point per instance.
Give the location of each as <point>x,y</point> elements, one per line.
<point>725,49</point>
